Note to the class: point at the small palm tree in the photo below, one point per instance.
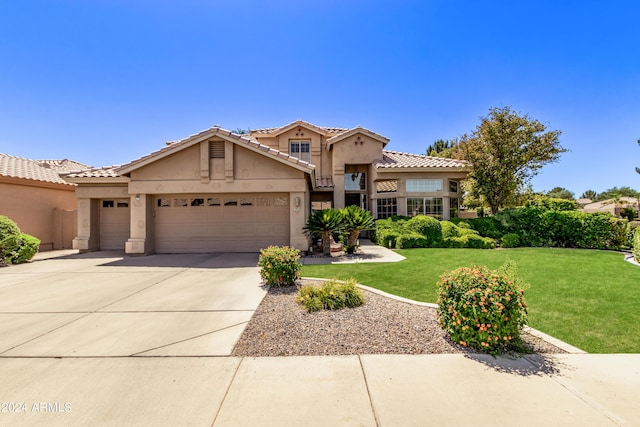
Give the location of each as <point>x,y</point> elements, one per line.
<point>356,220</point>
<point>324,223</point>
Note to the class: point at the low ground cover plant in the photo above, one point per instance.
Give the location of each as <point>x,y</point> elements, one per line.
<point>15,247</point>
<point>279,265</point>
<point>331,295</point>
<point>483,309</point>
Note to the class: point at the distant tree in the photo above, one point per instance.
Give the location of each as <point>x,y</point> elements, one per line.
<point>442,148</point>
<point>616,193</point>
<point>560,193</point>
<point>589,194</point>
<point>505,151</point>
<point>240,131</point>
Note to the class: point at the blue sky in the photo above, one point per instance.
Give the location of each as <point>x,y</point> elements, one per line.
<point>106,81</point>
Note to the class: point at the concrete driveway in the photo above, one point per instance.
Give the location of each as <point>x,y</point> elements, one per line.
<point>105,304</point>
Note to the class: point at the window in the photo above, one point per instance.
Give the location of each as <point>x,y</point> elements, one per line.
<point>320,205</point>
<point>387,207</point>
<point>197,202</point>
<point>355,181</point>
<point>454,207</point>
<point>122,204</point>
<point>231,202</point>
<point>216,150</point>
<point>107,203</point>
<point>164,203</point>
<point>424,185</point>
<point>389,186</point>
<point>453,186</point>
<point>431,206</point>
<point>246,202</point>
<point>213,201</point>
<point>180,202</point>
<point>115,203</point>
<point>300,150</point>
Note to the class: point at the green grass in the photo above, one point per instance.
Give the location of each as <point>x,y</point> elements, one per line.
<point>587,298</point>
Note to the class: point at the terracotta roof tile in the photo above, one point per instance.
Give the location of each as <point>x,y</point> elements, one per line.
<point>330,131</point>
<point>37,170</point>
<point>396,159</point>
<point>101,172</point>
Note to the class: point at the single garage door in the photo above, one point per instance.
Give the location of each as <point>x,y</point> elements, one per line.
<point>114,224</point>
<point>221,223</point>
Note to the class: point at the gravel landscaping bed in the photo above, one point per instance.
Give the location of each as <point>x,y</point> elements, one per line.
<point>382,325</point>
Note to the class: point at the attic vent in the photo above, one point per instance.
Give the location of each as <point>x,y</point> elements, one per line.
<point>216,149</point>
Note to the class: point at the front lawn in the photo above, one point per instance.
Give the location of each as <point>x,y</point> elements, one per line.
<point>587,298</point>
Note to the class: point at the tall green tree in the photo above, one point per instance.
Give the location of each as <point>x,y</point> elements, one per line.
<point>589,194</point>
<point>443,148</point>
<point>505,151</point>
<point>616,193</point>
<point>560,193</point>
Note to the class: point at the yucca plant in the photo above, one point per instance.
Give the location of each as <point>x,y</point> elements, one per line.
<point>324,223</point>
<point>355,220</point>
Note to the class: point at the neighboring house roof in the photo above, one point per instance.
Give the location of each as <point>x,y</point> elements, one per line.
<point>102,172</point>
<point>399,160</point>
<point>610,205</point>
<point>38,170</point>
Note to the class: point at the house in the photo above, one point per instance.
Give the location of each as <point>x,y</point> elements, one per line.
<point>33,194</point>
<point>614,206</point>
<point>222,191</point>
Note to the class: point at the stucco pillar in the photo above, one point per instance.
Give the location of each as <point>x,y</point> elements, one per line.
<point>140,242</point>
<point>338,187</point>
<point>88,237</point>
<point>298,203</point>
<point>445,208</point>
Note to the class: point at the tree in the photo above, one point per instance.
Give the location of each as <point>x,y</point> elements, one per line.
<point>560,193</point>
<point>589,194</point>
<point>324,223</point>
<point>443,148</point>
<point>355,219</point>
<point>505,151</point>
<point>617,192</point>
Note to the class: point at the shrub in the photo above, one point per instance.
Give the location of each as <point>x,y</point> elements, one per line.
<point>552,203</point>
<point>510,240</point>
<point>488,226</point>
<point>409,240</point>
<point>428,227</point>
<point>449,229</point>
<point>481,308</point>
<point>631,228</point>
<point>628,213</point>
<point>9,238</point>
<point>27,248</point>
<point>636,245</point>
<point>279,265</point>
<point>477,242</point>
<point>331,295</point>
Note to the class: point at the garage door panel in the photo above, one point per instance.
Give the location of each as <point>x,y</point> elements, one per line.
<point>252,223</point>
<point>114,224</point>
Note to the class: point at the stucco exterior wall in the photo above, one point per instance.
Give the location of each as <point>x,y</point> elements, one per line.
<point>46,212</point>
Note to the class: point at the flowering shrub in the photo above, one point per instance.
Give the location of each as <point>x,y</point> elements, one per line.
<point>332,295</point>
<point>279,265</point>
<point>481,308</point>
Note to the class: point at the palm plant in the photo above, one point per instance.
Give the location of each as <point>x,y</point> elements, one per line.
<point>324,223</point>
<point>356,220</point>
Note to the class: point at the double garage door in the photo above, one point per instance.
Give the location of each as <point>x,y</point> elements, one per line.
<point>220,223</point>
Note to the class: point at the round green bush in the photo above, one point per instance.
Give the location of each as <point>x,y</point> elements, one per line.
<point>27,248</point>
<point>481,308</point>
<point>279,266</point>
<point>9,238</point>
<point>510,240</point>
<point>429,227</point>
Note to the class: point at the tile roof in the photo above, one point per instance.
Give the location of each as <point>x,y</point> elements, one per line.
<point>327,130</point>
<point>324,182</point>
<point>241,139</point>
<point>102,172</point>
<point>37,170</point>
<point>396,159</point>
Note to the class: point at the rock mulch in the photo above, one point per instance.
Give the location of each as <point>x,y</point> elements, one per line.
<point>282,327</point>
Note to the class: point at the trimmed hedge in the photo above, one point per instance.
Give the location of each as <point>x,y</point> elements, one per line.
<point>279,265</point>
<point>428,227</point>
<point>510,240</point>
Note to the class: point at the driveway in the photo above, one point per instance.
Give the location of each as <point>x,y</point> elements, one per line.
<point>106,304</point>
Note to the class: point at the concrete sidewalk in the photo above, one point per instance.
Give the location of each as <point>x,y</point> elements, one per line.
<point>368,390</point>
